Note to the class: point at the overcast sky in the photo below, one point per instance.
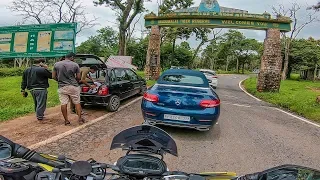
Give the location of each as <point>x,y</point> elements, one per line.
<point>107,17</point>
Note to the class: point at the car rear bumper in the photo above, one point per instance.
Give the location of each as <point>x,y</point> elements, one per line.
<point>199,119</point>
<point>214,83</point>
<point>90,99</point>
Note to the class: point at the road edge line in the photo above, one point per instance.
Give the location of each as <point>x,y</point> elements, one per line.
<point>240,83</point>
<point>298,117</point>
<point>278,109</point>
<point>60,136</point>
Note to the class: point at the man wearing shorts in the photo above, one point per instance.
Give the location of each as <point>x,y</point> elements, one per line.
<point>67,73</point>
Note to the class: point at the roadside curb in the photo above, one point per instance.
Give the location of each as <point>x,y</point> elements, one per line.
<point>279,108</point>
<point>245,91</point>
<point>60,136</point>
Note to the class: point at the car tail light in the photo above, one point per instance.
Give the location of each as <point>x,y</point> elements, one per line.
<point>209,103</point>
<point>103,91</point>
<point>214,76</point>
<point>85,89</point>
<point>151,97</point>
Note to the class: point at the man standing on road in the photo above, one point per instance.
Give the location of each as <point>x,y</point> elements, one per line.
<point>67,73</point>
<point>35,79</point>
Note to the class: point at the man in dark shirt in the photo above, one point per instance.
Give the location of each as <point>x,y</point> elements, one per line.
<point>35,79</point>
<point>67,73</point>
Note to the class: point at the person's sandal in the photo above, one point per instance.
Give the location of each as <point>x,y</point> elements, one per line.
<point>67,123</point>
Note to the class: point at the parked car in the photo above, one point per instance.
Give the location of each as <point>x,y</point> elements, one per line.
<point>116,84</point>
<point>211,76</point>
<point>181,98</point>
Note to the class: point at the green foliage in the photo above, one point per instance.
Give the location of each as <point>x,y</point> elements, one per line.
<point>229,49</point>
<point>296,96</point>
<point>104,44</point>
<point>13,105</point>
<point>182,56</point>
<point>5,72</point>
<point>305,53</point>
<point>138,50</point>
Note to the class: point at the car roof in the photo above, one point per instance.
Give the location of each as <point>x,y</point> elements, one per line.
<point>184,72</point>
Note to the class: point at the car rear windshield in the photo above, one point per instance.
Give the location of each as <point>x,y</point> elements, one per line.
<point>183,79</point>
<point>87,60</point>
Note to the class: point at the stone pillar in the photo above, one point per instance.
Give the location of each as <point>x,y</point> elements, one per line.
<point>271,62</point>
<point>153,68</point>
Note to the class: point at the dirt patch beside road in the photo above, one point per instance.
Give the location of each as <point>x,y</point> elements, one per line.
<point>28,131</point>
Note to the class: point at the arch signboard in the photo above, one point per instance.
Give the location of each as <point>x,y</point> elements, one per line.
<point>209,14</point>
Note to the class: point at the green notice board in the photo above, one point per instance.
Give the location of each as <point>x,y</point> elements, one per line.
<point>41,40</point>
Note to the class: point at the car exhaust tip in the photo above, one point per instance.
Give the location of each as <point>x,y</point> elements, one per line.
<point>202,128</point>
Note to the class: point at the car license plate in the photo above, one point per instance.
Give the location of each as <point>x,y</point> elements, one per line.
<point>176,117</point>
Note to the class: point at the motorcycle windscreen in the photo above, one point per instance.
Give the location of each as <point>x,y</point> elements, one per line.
<point>145,137</point>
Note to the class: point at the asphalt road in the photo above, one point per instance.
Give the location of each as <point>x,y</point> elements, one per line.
<point>250,136</point>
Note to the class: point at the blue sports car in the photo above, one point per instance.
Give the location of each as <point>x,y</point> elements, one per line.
<point>181,98</point>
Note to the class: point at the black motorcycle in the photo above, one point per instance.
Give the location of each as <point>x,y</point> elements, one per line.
<point>145,148</point>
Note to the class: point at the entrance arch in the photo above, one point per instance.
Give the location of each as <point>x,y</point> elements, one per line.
<point>209,14</point>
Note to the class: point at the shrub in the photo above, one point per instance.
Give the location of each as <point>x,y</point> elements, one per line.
<point>6,72</point>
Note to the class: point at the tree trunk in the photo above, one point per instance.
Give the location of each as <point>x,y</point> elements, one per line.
<point>289,71</point>
<point>315,72</point>
<point>238,65</point>
<point>173,45</point>
<point>227,63</point>
<point>243,67</point>
<point>197,50</point>
<point>122,41</point>
<point>286,59</point>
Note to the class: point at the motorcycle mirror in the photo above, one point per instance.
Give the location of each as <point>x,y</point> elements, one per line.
<point>289,172</point>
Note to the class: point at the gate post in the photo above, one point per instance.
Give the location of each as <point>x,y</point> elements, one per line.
<point>269,78</point>
<point>153,67</point>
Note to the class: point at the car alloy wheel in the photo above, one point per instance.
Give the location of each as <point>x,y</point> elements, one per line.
<point>114,103</point>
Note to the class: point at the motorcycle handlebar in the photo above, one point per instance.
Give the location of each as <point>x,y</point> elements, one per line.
<point>19,151</point>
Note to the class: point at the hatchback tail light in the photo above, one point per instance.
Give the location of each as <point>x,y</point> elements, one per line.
<point>209,103</point>
<point>103,91</point>
<point>151,97</point>
<point>85,89</point>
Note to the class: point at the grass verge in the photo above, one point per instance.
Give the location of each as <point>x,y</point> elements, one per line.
<point>149,82</point>
<point>296,96</point>
<point>13,105</point>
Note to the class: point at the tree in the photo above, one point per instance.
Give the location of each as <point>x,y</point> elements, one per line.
<point>202,34</point>
<point>171,34</point>
<point>126,11</point>
<point>305,53</point>
<point>297,27</point>
<point>53,11</point>
<point>182,56</point>
<point>315,7</point>
<point>104,44</point>
<point>137,48</point>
